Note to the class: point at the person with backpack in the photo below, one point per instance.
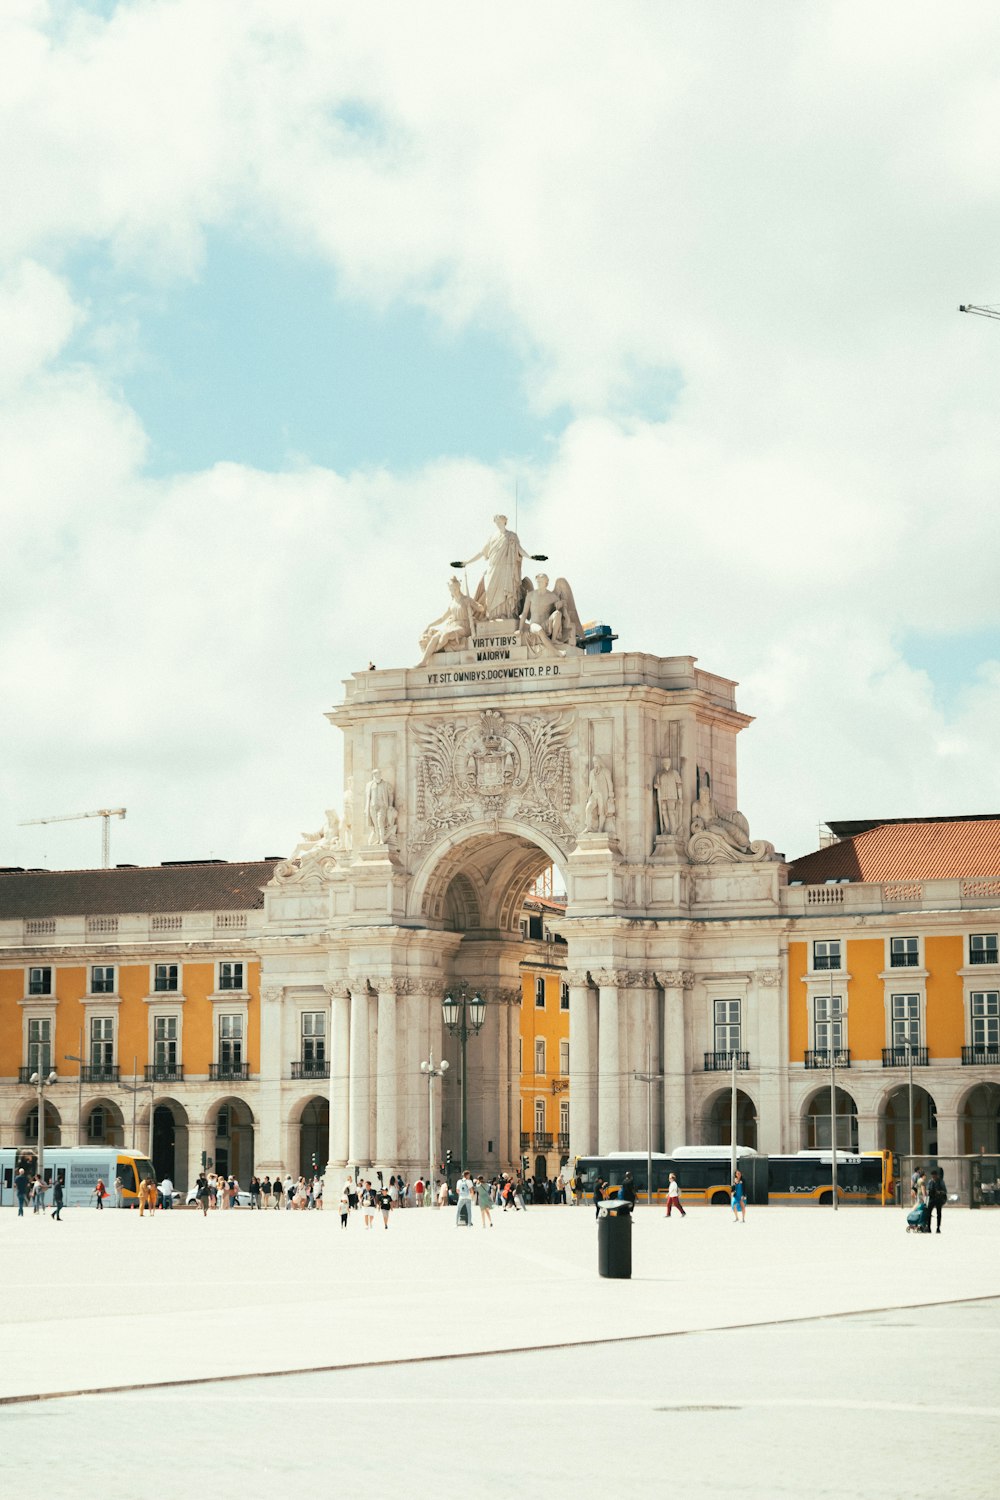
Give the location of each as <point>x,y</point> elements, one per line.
<point>937,1197</point>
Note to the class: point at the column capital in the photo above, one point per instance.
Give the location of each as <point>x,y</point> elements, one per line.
<point>390,984</point>
<point>432,988</point>
<point>675,979</point>
<point>358,984</point>
<point>336,989</point>
<point>610,979</point>
<point>504,995</point>
<point>578,979</point>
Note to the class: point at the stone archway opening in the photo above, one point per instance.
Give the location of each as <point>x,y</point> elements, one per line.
<point>314,1136</point>
<point>170,1142</point>
<point>103,1124</point>
<point>717,1118</point>
<point>28,1126</point>
<point>900,1133</point>
<point>474,890</point>
<point>231,1134</point>
<point>816,1122</point>
<point>979,1121</point>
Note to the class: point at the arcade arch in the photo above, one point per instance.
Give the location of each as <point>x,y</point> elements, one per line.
<point>231,1138</point>
<point>897,1132</point>
<point>815,1121</point>
<point>314,1135</point>
<point>170,1142</point>
<point>102,1124</point>
<point>979,1121</point>
<point>717,1120</point>
<point>26,1126</point>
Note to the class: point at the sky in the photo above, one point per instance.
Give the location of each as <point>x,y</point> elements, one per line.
<point>295,296</point>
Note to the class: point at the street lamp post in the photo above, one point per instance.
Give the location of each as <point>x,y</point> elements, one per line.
<point>71,1057</point>
<point>432,1072</point>
<point>464,1015</point>
<point>41,1083</point>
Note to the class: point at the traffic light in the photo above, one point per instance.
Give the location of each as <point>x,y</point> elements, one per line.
<point>204,1160</point>
<point>314,1163</point>
<point>524,1166</point>
<point>447,1158</point>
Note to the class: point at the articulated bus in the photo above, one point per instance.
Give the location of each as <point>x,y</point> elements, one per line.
<point>79,1167</point>
<point>703,1173</point>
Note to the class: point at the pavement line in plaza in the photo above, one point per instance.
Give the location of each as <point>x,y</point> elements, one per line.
<point>662,1404</point>
<point>422,1359</point>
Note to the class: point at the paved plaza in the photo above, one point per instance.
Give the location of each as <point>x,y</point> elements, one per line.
<point>804,1353</point>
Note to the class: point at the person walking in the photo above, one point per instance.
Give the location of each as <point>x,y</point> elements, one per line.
<point>598,1197</point>
<point>739,1198</point>
<point>483,1199</point>
<point>442,1195</point>
<point>265,1193</point>
<point>289,1191</point>
<point>628,1191</point>
<point>38,1195</point>
<point>368,1204</point>
<point>100,1193</point>
<point>119,1192</point>
<point>277,1190</point>
<point>21,1189</point>
<point>345,1203</point>
<point>57,1200</point>
<point>674,1196</point>
<point>418,1192</point>
<point>463,1189</point>
<point>386,1204</point>
<point>937,1197</point>
<point>201,1194</point>
<point>255,1191</point>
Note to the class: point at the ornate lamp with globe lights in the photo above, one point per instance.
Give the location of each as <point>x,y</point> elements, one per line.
<point>463,1014</point>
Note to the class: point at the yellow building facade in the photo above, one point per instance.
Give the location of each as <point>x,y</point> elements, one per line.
<point>544,1040</point>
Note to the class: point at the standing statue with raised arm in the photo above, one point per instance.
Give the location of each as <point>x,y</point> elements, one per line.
<point>503,555</point>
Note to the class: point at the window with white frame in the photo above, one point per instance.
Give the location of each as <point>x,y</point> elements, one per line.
<point>905,1021</point>
<point>904,953</point>
<point>40,981</point>
<point>564,1117</point>
<point>564,1057</point>
<point>165,1041</point>
<point>314,1036</point>
<point>829,1022</point>
<point>230,1041</point>
<point>230,976</point>
<point>539,1054</point>
<point>727,1025</point>
<point>102,979</point>
<point>102,1041</point>
<point>826,954</point>
<point>165,979</point>
<point>539,1116</point>
<point>40,1044</point>
<point>540,993</point>
<point>983,948</point>
<point>96,1124</point>
<point>564,997</point>
<point>985,1019</point>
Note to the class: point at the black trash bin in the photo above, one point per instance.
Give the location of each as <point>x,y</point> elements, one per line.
<point>614,1240</point>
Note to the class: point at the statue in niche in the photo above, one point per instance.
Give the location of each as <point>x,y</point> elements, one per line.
<point>718,837</point>
<point>669,794</point>
<point>600,797</point>
<point>380,810</point>
<point>549,616</point>
<point>452,630</point>
<point>501,589</point>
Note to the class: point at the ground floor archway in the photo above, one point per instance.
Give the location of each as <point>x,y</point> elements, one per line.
<point>102,1124</point>
<point>169,1147</point>
<point>717,1120</point>
<point>900,1133</point>
<point>979,1121</point>
<point>27,1132</point>
<point>314,1136</point>
<point>816,1123</point>
<point>231,1135</point>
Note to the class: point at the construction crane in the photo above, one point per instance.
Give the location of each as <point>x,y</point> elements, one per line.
<point>107,813</point>
<point>984,312</point>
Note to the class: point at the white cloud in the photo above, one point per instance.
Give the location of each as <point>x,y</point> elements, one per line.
<point>784,207</point>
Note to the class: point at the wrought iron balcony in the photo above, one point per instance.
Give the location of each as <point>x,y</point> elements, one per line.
<point>238,1071</point>
<point>722,1062</point>
<point>563,1139</point>
<point>164,1073</point>
<point>819,1057</point>
<point>525,1140</point>
<point>100,1072</point>
<point>981,1054</point>
<point>904,960</point>
<point>311,1068</point>
<point>899,1057</point>
<point>984,956</point>
<point>826,961</point>
<point>542,1140</point>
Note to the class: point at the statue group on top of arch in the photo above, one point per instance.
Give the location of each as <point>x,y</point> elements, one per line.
<point>545,619</point>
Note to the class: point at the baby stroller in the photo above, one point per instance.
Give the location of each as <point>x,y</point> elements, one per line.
<point>918,1220</point>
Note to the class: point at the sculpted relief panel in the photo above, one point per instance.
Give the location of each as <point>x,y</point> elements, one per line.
<point>487,767</point>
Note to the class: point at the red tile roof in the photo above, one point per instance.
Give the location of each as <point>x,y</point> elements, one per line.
<point>218,886</point>
<point>914,849</point>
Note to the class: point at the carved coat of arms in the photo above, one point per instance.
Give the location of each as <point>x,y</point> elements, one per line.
<point>490,768</point>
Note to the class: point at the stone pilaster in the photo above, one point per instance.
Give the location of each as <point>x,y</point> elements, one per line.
<point>359,1146</point>
<point>390,996</point>
<point>582,1064</point>
<point>340,1073</point>
<point>675,983</point>
<point>609,1081</point>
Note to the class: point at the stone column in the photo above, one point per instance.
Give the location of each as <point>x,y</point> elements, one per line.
<point>609,1083</point>
<point>387,1081</point>
<point>947,1134</point>
<point>582,1064</point>
<point>868,1131</point>
<point>640,1026</point>
<point>340,1072</point>
<point>674,983</point>
<point>359,1146</point>
<point>269,1144</point>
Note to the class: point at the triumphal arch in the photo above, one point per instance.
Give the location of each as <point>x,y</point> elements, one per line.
<point>505,747</point>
